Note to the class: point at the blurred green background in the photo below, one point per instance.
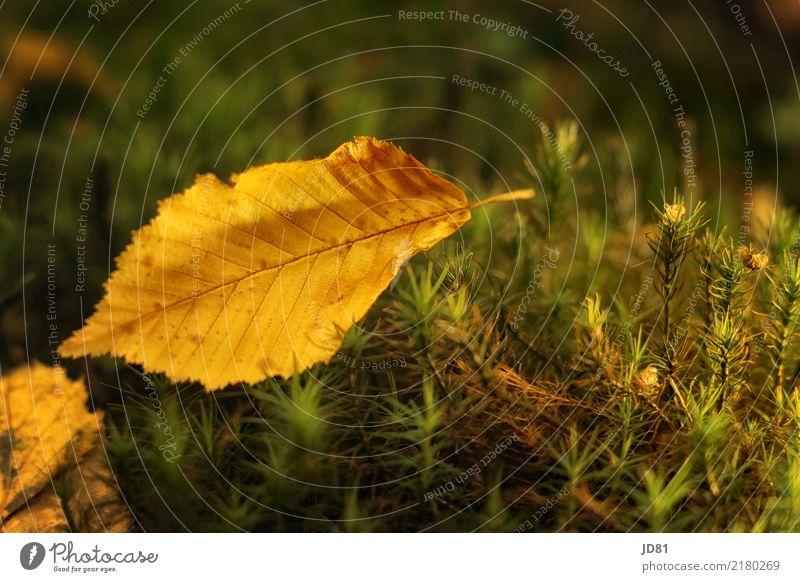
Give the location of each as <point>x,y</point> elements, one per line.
<point>269,81</point>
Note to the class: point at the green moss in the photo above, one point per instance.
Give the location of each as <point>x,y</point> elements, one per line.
<point>438,414</point>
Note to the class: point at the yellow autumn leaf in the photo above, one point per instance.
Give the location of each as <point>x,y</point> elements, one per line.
<point>45,428</point>
<point>263,276</point>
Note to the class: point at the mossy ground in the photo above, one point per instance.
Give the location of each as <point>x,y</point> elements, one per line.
<point>492,390</point>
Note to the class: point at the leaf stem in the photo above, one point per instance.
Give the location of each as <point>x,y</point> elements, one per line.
<point>523,194</point>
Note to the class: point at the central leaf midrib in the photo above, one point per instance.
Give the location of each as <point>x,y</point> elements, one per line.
<point>294,260</point>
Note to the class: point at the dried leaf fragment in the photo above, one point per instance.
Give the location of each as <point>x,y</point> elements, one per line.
<point>44,429</point>
<point>32,60</point>
<point>94,503</point>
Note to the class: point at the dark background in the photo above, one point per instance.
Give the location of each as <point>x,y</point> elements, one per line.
<point>279,80</point>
